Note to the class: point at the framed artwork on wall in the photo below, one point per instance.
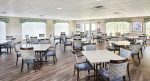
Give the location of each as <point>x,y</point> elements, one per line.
<point>137,26</point>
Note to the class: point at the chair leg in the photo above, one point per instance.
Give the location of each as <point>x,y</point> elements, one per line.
<point>17,61</point>
<point>54,59</point>
<point>45,58</point>
<point>28,66</point>
<point>142,52</point>
<point>128,71</point>
<point>124,78</point>
<point>77,75</point>
<point>22,65</point>
<point>74,70</point>
<point>139,58</point>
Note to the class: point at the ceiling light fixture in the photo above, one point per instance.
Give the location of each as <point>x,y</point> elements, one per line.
<point>59,8</point>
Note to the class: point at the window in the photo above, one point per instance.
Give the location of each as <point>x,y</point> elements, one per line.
<point>61,27</point>
<point>33,29</point>
<point>114,27</point>
<point>93,27</point>
<point>87,27</point>
<point>2,31</point>
<point>148,28</point>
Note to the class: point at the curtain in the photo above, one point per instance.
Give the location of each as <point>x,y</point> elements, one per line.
<point>2,31</point>
<point>61,27</point>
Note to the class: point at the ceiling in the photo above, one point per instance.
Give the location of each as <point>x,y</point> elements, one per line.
<point>74,9</point>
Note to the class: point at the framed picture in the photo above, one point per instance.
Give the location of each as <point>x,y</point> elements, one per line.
<point>137,27</point>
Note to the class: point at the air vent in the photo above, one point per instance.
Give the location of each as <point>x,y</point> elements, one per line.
<point>97,7</point>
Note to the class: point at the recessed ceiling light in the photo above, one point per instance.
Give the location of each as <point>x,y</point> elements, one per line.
<point>59,8</point>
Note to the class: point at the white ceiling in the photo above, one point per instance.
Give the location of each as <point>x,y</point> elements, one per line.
<point>75,9</point>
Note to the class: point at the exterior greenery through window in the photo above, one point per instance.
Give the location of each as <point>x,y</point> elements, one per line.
<point>117,27</point>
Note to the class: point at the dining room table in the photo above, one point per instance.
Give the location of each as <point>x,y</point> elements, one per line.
<point>95,57</point>
<point>3,42</point>
<point>40,49</point>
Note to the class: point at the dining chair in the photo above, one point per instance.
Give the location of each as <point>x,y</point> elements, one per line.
<point>125,54</point>
<point>44,41</point>
<point>104,37</point>
<point>135,50</point>
<point>51,52</point>
<point>116,71</point>
<point>67,42</point>
<point>77,44</point>
<point>34,40</point>
<point>28,57</point>
<point>9,37</point>
<point>9,45</point>
<point>28,41</point>
<point>62,36</point>
<point>111,47</point>
<point>90,47</point>
<point>81,65</point>
<point>41,35</point>
<point>17,51</point>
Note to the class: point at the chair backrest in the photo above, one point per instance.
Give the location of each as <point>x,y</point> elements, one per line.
<point>114,39</point>
<point>77,42</point>
<point>135,48</point>
<point>27,39</point>
<point>125,53</point>
<point>44,41</point>
<point>34,40</point>
<point>104,36</point>
<point>77,37</point>
<point>9,37</point>
<point>90,47</point>
<point>27,53</point>
<point>117,68</point>
<point>17,46</point>
<point>41,35</point>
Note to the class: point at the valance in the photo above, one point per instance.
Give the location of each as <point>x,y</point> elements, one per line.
<point>6,20</point>
<point>146,19</point>
<point>118,20</point>
<point>60,21</point>
<point>23,20</point>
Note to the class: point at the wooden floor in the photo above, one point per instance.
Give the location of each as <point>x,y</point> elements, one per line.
<point>63,69</point>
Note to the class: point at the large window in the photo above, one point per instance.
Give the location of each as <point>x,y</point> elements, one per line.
<point>61,27</point>
<point>148,28</point>
<point>33,29</point>
<point>117,27</point>
<point>2,31</point>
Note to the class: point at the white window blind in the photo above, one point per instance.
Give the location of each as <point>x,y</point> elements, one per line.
<point>2,31</point>
<point>114,27</point>
<point>148,29</point>
<point>33,29</point>
<point>61,27</point>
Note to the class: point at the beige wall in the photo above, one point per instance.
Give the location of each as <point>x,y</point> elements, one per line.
<point>14,27</point>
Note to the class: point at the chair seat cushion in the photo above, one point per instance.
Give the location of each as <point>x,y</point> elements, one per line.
<point>84,66</point>
<point>105,74</point>
<point>50,53</point>
<point>68,43</point>
<point>30,61</point>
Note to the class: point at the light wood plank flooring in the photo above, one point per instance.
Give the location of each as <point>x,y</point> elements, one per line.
<point>63,69</point>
